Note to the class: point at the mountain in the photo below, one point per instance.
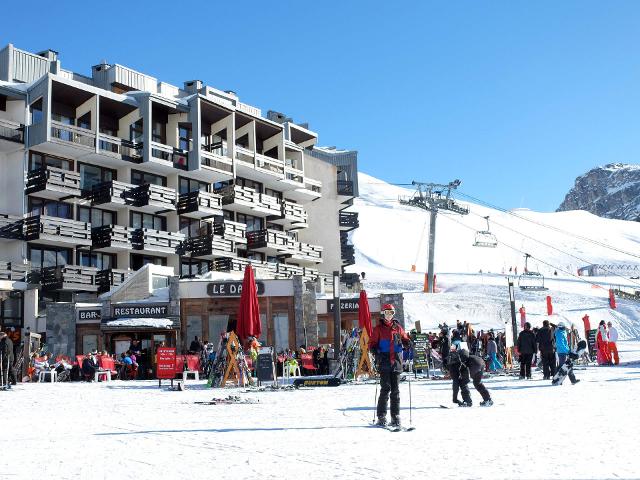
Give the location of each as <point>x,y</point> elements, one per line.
<point>612,191</point>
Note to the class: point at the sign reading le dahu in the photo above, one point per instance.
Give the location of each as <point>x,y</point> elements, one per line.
<point>230,289</point>
<point>141,311</point>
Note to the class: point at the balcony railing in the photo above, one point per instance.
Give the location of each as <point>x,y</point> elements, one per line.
<point>349,220</point>
<point>345,188</point>
<point>268,204</point>
<point>234,231</point>
<point>114,237</point>
<point>171,156</point>
<point>205,203</point>
<point>71,134</point>
<point>107,279</point>
<point>156,240</point>
<point>12,131</point>
<point>208,246</point>
<point>295,213</point>
<point>11,227</point>
<point>40,227</point>
<point>245,155</point>
<point>13,271</point>
<point>305,251</point>
<point>54,180</point>
<point>269,240</point>
<point>124,149</point>
<point>294,175</point>
<point>67,277</point>
<point>270,165</point>
<point>108,192</point>
<point>216,161</point>
<point>148,194</point>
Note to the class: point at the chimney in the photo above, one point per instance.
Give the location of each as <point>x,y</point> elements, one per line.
<point>192,86</point>
<point>49,54</point>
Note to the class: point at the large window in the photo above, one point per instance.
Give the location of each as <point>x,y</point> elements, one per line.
<point>41,257</point>
<point>139,261</point>
<point>91,175</point>
<point>35,109</point>
<point>184,137</point>
<point>50,208</point>
<point>148,220</point>
<point>192,227</point>
<point>253,223</point>
<point>102,261</point>
<point>96,217</point>
<point>159,132</point>
<point>189,269</point>
<point>186,185</point>
<point>273,193</point>
<point>245,182</point>
<point>11,310</point>
<point>140,178</point>
<point>39,160</point>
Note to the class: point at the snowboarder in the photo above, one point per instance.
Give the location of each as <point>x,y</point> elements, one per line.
<point>562,343</point>
<point>566,369</point>
<point>463,367</point>
<point>526,347</point>
<point>386,344</point>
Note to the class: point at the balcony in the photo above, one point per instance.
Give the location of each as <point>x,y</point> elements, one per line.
<point>265,169</point>
<point>215,166</point>
<point>108,194</point>
<point>292,216</point>
<point>66,140</point>
<point>156,241</point>
<point>107,279</point>
<point>271,242</point>
<point>244,155</point>
<point>345,188</point>
<point>347,251</point>
<point>112,238</point>
<point>348,221</point>
<point>288,271</point>
<point>306,253</point>
<point>207,247</point>
<point>53,183</point>
<point>11,135</point>
<point>247,200</point>
<point>57,231</point>
<point>11,227</point>
<point>310,190</point>
<point>13,271</point>
<point>199,204</point>
<point>117,152</point>
<point>234,231</point>
<point>165,159</point>
<point>66,277</point>
<point>150,198</point>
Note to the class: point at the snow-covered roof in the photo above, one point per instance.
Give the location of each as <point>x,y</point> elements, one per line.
<point>140,322</point>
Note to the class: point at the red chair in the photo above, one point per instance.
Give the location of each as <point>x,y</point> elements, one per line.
<point>179,365</point>
<point>306,362</point>
<point>105,362</point>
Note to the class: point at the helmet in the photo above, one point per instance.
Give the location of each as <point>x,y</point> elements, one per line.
<point>561,325</point>
<point>388,306</point>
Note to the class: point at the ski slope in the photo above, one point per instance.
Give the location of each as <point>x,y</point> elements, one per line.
<point>393,237</point>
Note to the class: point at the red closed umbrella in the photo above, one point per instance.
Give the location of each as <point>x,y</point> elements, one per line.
<point>612,299</point>
<point>364,316</point>
<point>248,321</point>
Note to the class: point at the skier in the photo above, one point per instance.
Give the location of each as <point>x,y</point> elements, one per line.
<point>562,343</point>
<point>463,367</point>
<point>492,351</point>
<point>527,347</point>
<point>6,360</point>
<point>566,369</point>
<point>386,344</point>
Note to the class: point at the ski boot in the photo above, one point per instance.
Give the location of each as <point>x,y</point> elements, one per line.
<point>382,421</point>
<point>395,421</point>
<point>576,381</point>
<point>465,404</point>
<point>486,403</point>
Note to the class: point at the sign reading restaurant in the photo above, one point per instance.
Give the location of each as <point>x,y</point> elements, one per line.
<point>141,311</point>
<point>230,289</point>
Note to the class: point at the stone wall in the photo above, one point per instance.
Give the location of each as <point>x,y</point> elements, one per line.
<point>306,318</point>
<point>397,300</point>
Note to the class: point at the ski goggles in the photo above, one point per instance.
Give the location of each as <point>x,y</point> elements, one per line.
<point>389,311</point>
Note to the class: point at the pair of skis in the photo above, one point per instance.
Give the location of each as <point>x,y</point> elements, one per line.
<point>394,428</point>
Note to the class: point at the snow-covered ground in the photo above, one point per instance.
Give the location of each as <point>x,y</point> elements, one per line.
<point>135,430</point>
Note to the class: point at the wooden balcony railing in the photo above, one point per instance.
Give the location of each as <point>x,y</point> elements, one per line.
<point>66,182</point>
<point>57,229</point>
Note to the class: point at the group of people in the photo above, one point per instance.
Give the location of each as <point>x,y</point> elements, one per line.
<point>606,344</point>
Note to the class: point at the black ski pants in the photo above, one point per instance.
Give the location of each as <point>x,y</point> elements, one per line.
<point>525,364</point>
<point>548,363</point>
<point>478,385</point>
<point>389,388</point>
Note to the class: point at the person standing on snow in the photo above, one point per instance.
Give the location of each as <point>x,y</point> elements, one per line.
<point>526,347</point>
<point>544,339</point>
<point>492,351</point>
<point>613,348</point>
<point>463,367</point>
<point>386,344</point>
<point>6,360</point>
<point>602,343</point>
<point>562,343</point>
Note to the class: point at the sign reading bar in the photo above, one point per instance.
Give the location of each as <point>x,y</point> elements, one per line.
<point>346,305</point>
<point>89,314</point>
<point>140,311</point>
<point>230,289</point>
<point>166,367</point>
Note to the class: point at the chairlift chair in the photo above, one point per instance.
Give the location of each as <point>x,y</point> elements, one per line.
<point>529,280</point>
<point>484,238</point>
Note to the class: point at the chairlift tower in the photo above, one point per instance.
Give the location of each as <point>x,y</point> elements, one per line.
<point>434,197</point>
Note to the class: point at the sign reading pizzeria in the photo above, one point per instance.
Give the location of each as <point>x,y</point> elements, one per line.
<point>346,305</point>
<point>139,311</point>
<point>230,289</point>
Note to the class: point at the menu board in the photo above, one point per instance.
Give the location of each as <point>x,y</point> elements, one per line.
<point>166,367</point>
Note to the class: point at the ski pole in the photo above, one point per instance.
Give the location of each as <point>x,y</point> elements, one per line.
<point>374,404</point>
<point>410,403</point>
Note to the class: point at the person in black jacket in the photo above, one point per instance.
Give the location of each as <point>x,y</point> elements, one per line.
<point>526,347</point>
<point>463,367</point>
<point>6,360</point>
<point>544,339</point>
<point>445,346</point>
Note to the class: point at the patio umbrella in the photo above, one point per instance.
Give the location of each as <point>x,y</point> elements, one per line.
<point>364,316</point>
<point>248,321</point>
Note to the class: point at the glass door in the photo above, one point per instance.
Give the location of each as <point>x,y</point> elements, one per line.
<point>281,329</point>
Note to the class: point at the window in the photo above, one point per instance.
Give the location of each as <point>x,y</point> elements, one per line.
<point>273,193</point>
<point>38,161</point>
<point>159,281</point>
<point>189,269</point>
<point>35,109</point>
<point>184,137</point>
<point>192,227</point>
<point>275,226</point>
<point>245,182</point>
<point>101,261</point>
<point>11,310</point>
<point>140,178</point>
<point>139,261</point>
<point>257,256</point>
<point>148,220</point>
<point>253,223</point>
<point>158,133</point>
<point>136,133</point>
<point>41,257</point>
<point>96,217</point>
<point>227,215</point>
<point>50,208</point>
<point>91,175</point>
<point>85,121</point>
<point>186,185</point>
<point>220,185</point>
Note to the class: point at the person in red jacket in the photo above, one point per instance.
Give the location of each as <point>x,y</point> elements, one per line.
<point>386,344</point>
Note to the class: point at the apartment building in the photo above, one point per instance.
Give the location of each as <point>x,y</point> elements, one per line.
<point>103,174</point>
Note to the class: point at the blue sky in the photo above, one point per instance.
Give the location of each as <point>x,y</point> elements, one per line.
<point>514,98</point>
